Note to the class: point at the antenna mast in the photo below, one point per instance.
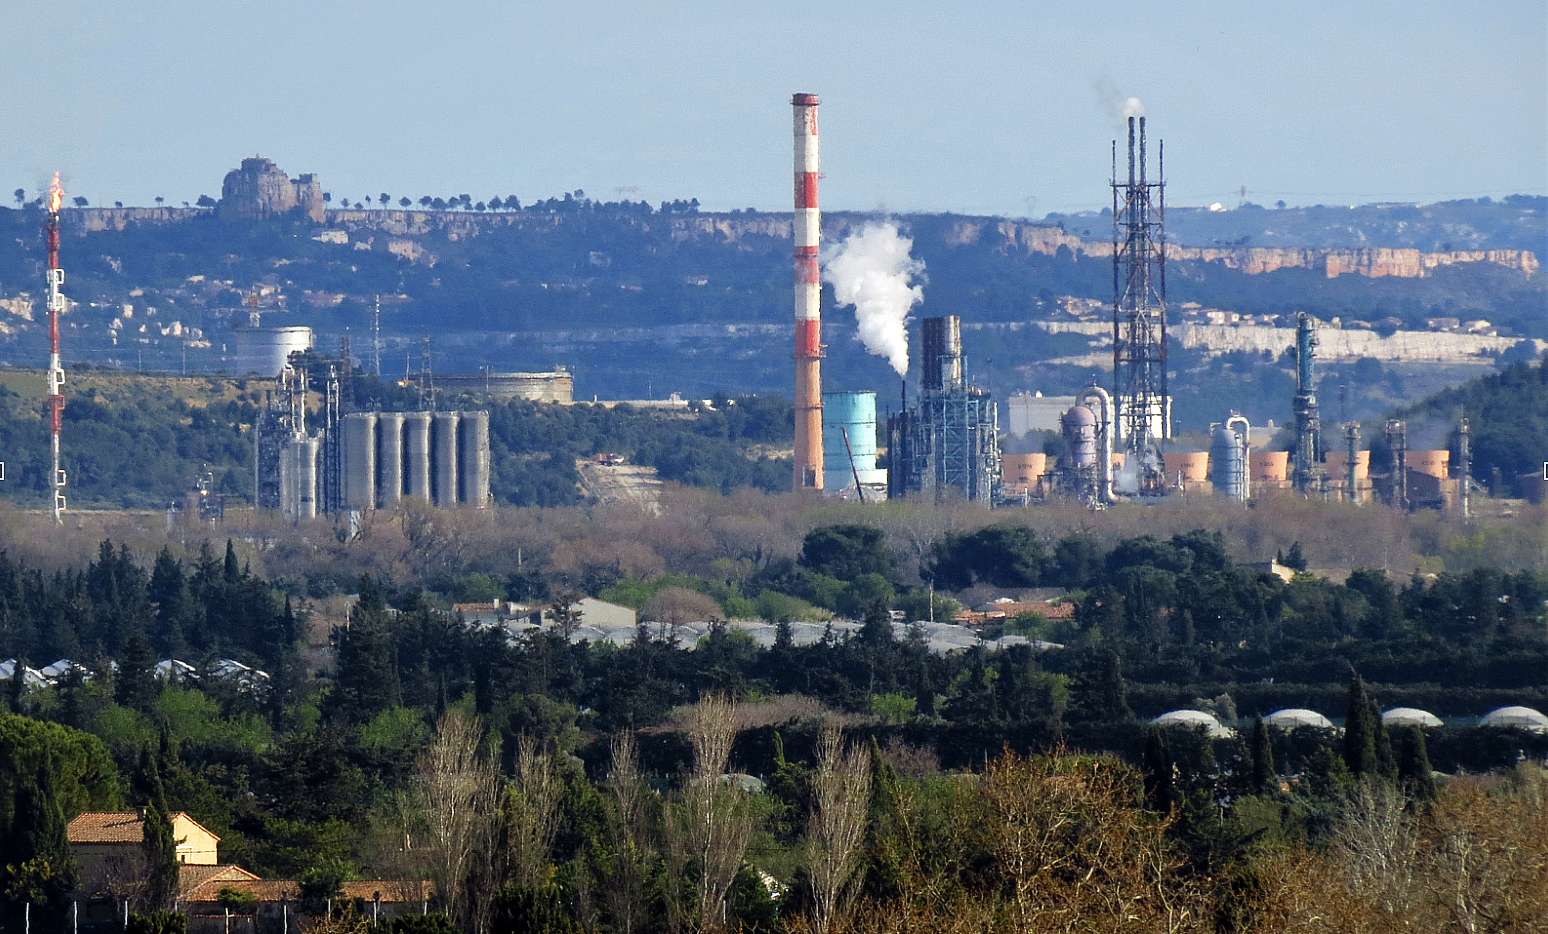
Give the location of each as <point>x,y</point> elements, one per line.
<point>56,306</point>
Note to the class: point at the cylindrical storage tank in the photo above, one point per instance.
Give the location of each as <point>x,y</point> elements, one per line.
<point>416,456</point>
<point>443,458</point>
<point>1186,466</point>
<point>1022,472</point>
<point>290,480</point>
<point>1270,466</point>
<point>1338,465</point>
<point>1228,463</point>
<point>306,475</point>
<point>389,458</point>
<point>1080,424</point>
<point>473,454</point>
<point>1430,463</point>
<point>357,437</point>
<point>853,413</point>
<point>265,351</point>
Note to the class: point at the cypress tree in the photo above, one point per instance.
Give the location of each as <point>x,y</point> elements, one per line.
<point>159,849</point>
<point>16,689</point>
<point>1160,772</point>
<point>1264,779</point>
<point>1361,725</point>
<point>145,785</point>
<point>231,571</point>
<point>38,836</point>
<point>1413,765</point>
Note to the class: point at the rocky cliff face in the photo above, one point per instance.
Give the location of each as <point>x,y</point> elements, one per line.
<point>1334,345</point>
<point>1371,261</point>
<point>260,189</point>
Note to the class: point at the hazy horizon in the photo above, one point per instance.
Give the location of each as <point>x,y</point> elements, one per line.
<point>1001,110</point>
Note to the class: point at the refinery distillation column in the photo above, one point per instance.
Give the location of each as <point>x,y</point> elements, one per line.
<point>808,299</point>
<point>56,305</point>
<point>1139,313</point>
<point>1307,474</point>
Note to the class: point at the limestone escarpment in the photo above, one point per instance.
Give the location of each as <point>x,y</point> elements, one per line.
<point>1372,262</point>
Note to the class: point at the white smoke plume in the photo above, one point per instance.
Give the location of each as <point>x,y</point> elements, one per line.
<point>1120,106</point>
<point>873,271</point>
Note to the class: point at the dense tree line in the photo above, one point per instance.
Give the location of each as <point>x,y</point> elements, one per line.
<point>582,768</point>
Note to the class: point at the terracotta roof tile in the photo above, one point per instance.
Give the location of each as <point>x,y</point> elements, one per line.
<point>117,827</point>
<point>107,827</point>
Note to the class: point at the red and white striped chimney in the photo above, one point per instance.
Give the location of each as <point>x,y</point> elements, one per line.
<point>808,298</point>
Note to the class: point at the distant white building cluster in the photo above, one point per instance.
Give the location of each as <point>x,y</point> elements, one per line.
<point>1292,718</point>
<point>600,622</point>
<point>246,677</point>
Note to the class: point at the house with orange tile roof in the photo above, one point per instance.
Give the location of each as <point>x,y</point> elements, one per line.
<point>107,845</point>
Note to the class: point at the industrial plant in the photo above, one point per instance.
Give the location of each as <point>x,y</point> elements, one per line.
<point>360,461</point>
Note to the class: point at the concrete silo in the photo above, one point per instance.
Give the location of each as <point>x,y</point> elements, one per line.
<point>359,445</point>
<point>473,454</point>
<point>443,458</point>
<point>389,459</point>
<point>416,455</point>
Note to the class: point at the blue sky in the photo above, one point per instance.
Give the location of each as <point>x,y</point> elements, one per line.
<point>991,107</point>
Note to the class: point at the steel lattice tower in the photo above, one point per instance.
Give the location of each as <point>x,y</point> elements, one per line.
<point>1139,310</point>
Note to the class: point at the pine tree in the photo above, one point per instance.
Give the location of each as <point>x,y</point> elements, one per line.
<point>1099,693</point>
<point>135,685</point>
<point>1264,780</point>
<point>366,682</point>
<point>171,598</point>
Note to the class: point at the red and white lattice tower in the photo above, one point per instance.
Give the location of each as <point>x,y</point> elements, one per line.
<point>56,306</point>
<point>808,299</point>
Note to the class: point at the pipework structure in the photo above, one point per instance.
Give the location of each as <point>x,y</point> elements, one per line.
<point>808,298</point>
<point>1230,446</point>
<point>1351,461</point>
<point>1464,469</point>
<point>1397,447</point>
<point>1307,474</point>
<point>56,307</point>
<point>948,445</point>
<point>1139,310</point>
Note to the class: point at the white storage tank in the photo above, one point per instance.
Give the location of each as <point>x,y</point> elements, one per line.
<point>265,351</point>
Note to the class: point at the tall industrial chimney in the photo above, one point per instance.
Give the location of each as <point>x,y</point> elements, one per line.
<point>808,299</point>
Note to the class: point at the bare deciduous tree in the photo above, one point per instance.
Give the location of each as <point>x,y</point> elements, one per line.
<point>532,812</point>
<point>452,800</point>
<point>841,791</point>
<point>625,889</point>
<point>713,820</point>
